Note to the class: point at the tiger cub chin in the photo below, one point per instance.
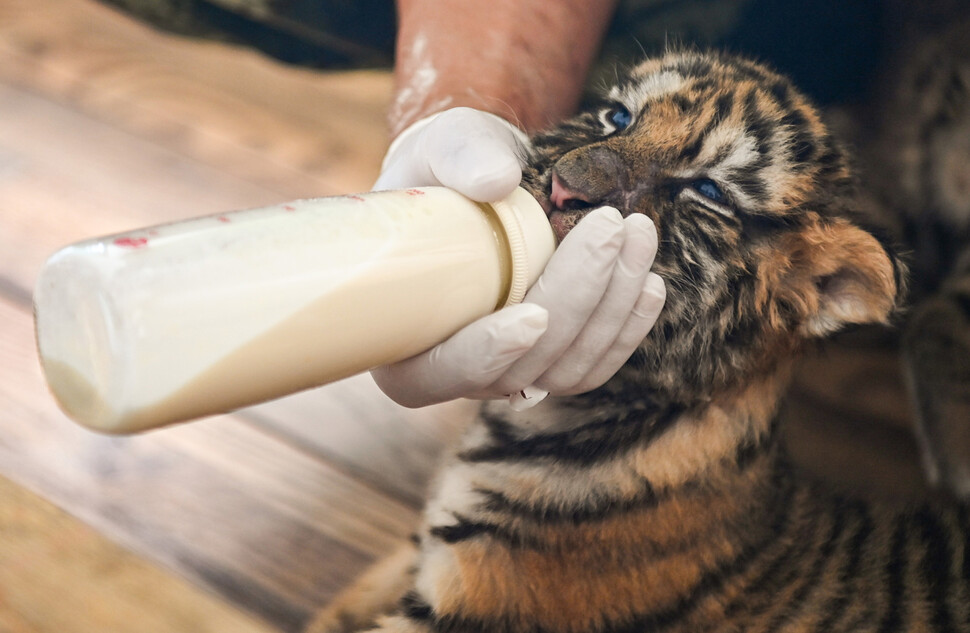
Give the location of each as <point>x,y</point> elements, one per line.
<point>663,501</point>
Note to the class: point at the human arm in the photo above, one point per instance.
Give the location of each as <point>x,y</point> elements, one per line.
<point>488,64</point>
<point>523,60</point>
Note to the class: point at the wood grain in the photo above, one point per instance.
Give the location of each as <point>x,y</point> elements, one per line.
<point>227,106</point>
<point>59,575</point>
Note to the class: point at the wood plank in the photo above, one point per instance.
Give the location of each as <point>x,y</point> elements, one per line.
<point>220,502</point>
<point>220,104</point>
<point>59,576</point>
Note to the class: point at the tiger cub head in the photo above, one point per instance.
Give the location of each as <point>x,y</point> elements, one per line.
<point>753,203</point>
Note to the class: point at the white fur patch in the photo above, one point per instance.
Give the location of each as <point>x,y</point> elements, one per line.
<point>741,151</point>
<point>438,573</point>
<point>649,88</point>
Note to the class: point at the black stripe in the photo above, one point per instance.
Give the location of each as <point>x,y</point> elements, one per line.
<point>415,607</point>
<point>500,430</point>
<point>461,531</point>
<point>682,102</point>
<point>768,581</point>
<point>745,69</point>
<point>784,572</point>
<point>591,510</point>
<point>756,225</point>
<point>723,106</point>
<point>803,147</point>
<point>811,580</point>
<point>691,67</point>
<point>837,607</point>
<point>756,123</point>
<point>743,334</point>
<point>780,90</point>
<point>750,182</point>
<point>717,578</point>
<point>691,151</point>
<point>831,159</point>
<point>722,154</point>
<point>712,241</point>
<point>937,561</point>
<point>896,574</point>
<point>709,583</point>
<point>752,447</point>
<point>703,85</point>
<point>602,507</point>
<point>796,119</point>
<point>465,530</point>
<point>762,131</point>
<point>596,509</point>
<point>683,261</point>
<point>585,445</point>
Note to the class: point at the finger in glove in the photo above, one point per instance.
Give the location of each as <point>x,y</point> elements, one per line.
<point>611,314</point>
<point>466,363</point>
<point>570,288</point>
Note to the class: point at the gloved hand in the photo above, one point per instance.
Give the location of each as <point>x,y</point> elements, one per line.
<point>584,317</point>
<point>475,153</point>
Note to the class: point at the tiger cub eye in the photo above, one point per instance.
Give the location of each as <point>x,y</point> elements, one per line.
<point>620,117</point>
<point>709,189</point>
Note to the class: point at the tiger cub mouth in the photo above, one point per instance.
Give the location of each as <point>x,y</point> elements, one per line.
<point>566,206</point>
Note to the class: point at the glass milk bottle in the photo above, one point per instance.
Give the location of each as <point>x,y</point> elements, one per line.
<point>179,321</point>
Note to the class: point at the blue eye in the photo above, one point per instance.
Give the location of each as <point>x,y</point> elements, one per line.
<point>709,189</point>
<point>620,117</point>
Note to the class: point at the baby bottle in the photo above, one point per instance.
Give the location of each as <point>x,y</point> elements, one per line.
<point>179,321</point>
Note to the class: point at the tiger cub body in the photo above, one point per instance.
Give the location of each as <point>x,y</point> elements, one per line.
<point>663,500</point>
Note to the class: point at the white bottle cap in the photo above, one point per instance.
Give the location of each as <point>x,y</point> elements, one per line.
<point>531,240</point>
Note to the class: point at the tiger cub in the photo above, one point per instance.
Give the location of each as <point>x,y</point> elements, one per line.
<point>663,501</point>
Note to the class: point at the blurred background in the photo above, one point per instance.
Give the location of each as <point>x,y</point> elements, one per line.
<point>127,113</point>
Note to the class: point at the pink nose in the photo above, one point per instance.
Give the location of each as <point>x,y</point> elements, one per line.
<point>561,196</point>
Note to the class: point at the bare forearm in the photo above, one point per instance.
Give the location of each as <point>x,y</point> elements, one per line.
<point>523,60</point>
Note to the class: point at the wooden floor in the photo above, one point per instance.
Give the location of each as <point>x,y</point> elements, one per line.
<point>245,522</point>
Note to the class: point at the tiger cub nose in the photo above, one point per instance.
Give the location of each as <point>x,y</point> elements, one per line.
<point>565,198</point>
<point>588,177</point>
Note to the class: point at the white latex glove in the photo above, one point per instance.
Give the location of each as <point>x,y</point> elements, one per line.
<point>584,317</point>
<point>473,152</point>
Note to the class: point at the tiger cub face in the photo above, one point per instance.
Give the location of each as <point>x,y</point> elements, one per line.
<point>752,200</point>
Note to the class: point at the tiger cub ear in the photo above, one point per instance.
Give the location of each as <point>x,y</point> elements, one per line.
<point>848,275</point>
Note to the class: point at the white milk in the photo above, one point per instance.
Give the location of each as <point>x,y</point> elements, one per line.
<point>184,320</point>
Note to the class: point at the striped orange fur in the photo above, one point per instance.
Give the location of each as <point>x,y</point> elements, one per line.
<point>663,501</point>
